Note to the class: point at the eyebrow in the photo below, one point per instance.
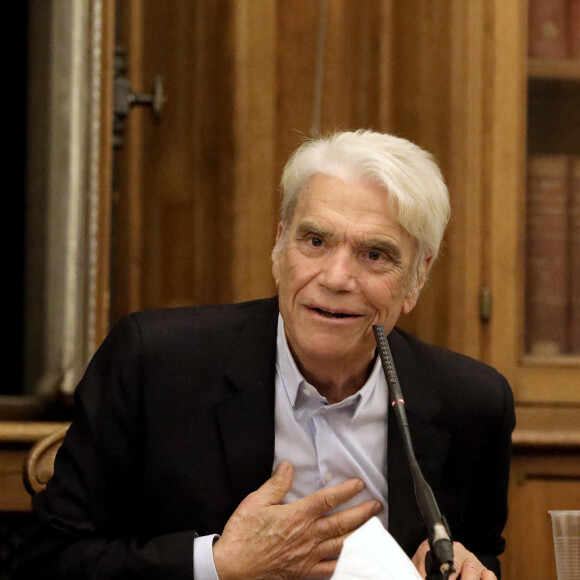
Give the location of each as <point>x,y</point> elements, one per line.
<point>390,248</point>
<point>309,227</point>
<point>393,250</point>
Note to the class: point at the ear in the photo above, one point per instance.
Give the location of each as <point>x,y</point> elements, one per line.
<point>276,253</point>
<point>410,300</point>
<point>280,232</point>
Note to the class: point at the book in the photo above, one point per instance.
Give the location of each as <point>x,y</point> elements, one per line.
<point>546,324</point>
<point>574,29</point>
<point>548,28</point>
<point>574,257</point>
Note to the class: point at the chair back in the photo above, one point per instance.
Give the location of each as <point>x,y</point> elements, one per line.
<point>39,464</point>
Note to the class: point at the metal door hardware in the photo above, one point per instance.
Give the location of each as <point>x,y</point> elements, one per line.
<point>485,304</point>
<point>125,98</point>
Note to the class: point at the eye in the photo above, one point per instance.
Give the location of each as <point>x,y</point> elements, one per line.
<point>375,255</point>
<point>312,244</point>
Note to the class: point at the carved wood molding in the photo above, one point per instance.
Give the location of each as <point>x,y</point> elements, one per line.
<point>39,465</point>
<point>22,432</point>
<point>539,426</point>
<point>537,438</point>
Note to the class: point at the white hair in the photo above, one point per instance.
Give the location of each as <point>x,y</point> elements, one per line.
<point>408,174</point>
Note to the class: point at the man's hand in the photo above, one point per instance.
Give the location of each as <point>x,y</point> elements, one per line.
<point>265,540</point>
<point>466,564</point>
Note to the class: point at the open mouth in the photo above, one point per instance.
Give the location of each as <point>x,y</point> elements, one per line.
<point>330,314</point>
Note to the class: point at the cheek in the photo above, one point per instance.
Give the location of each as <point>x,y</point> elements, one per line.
<point>297,270</point>
<point>384,295</point>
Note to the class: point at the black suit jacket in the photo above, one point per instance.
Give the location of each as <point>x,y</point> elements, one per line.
<point>174,426</point>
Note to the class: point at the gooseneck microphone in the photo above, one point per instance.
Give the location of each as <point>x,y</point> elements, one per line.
<point>439,538</point>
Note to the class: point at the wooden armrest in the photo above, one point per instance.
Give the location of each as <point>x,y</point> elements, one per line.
<point>39,464</point>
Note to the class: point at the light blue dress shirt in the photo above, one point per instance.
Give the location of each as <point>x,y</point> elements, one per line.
<point>326,443</point>
<point>330,443</point>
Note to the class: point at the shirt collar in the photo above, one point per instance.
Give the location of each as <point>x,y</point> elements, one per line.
<point>292,378</point>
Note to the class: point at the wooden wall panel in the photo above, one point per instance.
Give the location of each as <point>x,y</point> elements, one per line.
<point>540,482</point>
<point>421,112</point>
<point>353,84</point>
<point>297,23</point>
<point>466,174</point>
<point>505,173</point>
<point>254,204</point>
<point>185,152</point>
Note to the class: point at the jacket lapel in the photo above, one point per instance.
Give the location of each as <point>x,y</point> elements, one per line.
<point>246,418</point>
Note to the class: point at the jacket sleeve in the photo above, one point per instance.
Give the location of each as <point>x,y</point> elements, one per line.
<point>488,508</point>
<point>91,515</point>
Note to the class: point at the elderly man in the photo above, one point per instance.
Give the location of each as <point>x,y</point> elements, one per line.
<point>183,414</point>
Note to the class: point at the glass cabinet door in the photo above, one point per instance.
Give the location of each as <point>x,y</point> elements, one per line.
<point>552,200</point>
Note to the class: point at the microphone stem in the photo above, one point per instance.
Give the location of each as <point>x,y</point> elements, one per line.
<point>440,540</point>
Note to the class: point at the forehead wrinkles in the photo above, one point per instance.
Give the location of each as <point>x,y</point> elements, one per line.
<point>345,198</point>
<point>342,212</point>
<point>330,204</point>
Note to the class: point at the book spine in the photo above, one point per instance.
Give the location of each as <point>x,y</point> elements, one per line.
<point>575,256</point>
<point>547,255</point>
<point>547,25</point>
<point>574,29</point>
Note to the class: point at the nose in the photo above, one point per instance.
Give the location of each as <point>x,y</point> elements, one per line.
<point>337,273</point>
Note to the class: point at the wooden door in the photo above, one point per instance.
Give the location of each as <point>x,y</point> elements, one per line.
<point>195,188</point>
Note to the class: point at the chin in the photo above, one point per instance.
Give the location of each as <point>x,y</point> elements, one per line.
<point>332,349</point>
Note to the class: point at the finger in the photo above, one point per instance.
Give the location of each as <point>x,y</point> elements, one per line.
<point>331,549</point>
<point>324,500</point>
<point>472,569</point>
<point>347,520</point>
<point>324,569</point>
<point>273,491</point>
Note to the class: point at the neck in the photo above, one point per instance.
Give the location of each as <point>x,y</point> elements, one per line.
<point>330,379</point>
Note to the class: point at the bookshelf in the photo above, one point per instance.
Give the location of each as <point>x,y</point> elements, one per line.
<point>552,201</point>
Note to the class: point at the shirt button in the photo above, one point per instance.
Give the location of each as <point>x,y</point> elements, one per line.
<point>328,477</point>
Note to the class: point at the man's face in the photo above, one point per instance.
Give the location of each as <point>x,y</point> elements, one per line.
<point>341,267</point>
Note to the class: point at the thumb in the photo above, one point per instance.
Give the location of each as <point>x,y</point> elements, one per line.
<point>273,491</point>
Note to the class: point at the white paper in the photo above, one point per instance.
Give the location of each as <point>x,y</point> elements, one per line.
<point>371,553</point>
